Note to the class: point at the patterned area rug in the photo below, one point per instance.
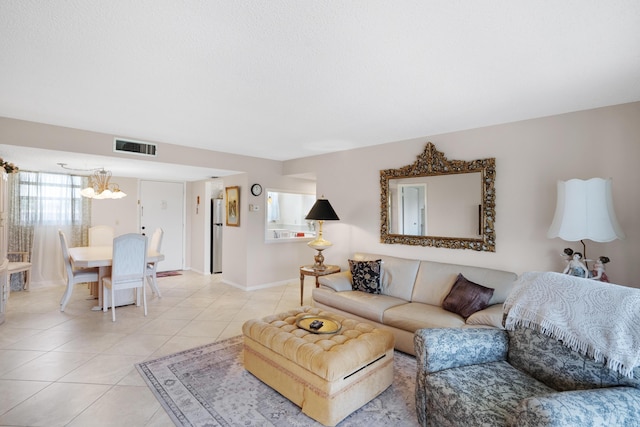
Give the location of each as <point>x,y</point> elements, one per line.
<point>208,386</point>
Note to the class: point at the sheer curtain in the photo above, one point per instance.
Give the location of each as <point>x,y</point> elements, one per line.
<point>40,204</point>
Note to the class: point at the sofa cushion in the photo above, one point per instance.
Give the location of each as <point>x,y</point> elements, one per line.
<point>414,316</point>
<point>363,304</point>
<point>398,275</point>
<point>366,275</point>
<point>555,364</point>
<point>467,297</point>
<point>435,279</point>
<point>614,406</point>
<point>461,396</point>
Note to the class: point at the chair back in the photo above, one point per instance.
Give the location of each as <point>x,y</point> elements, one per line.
<point>129,258</point>
<point>156,240</point>
<point>101,235</point>
<point>65,254</point>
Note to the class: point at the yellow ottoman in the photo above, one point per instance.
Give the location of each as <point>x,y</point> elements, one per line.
<point>328,375</point>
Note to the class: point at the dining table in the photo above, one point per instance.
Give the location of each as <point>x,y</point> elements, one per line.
<point>102,257</point>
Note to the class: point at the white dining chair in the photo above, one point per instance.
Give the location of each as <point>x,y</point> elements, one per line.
<point>101,235</point>
<point>19,263</point>
<point>154,245</point>
<point>128,269</point>
<point>74,275</point>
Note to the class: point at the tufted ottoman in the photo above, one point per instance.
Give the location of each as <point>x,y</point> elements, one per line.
<point>328,375</point>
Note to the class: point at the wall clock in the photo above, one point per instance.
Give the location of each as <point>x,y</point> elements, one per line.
<point>256,189</point>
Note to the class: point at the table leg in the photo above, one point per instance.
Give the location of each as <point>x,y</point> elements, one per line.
<point>301,288</point>
<point>103,271</point>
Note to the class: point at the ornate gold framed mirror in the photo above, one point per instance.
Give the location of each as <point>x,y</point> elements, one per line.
<point>439,202</point>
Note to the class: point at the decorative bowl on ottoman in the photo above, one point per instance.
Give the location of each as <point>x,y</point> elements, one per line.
<point>329,375</point>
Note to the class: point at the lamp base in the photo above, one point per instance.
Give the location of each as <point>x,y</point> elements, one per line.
<point>319,258</point>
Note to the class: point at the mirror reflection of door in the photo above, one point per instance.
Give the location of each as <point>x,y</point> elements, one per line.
<point>451,207</point>
<point>412,207</point>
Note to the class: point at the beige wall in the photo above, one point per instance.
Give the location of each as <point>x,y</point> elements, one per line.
<point>530,157</point>
<point>248,261</point>
<point>197,227</point>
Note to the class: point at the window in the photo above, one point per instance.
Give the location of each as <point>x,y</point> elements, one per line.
<point>48,199</point>
<point>40,204</point>
<point>285,216</point>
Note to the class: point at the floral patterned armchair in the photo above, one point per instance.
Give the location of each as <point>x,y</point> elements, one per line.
<point>492,377</point>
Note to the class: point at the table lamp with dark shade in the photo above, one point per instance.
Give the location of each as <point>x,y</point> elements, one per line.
<point>321,211</point>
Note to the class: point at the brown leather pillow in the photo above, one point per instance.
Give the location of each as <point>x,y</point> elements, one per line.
<point>466,297</point>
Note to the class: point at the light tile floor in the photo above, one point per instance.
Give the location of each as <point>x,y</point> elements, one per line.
<point>77,368</point>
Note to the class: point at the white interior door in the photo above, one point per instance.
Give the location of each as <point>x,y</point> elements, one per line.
<point>162,205</point>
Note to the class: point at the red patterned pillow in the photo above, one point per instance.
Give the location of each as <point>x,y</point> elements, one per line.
<point>466,297</point>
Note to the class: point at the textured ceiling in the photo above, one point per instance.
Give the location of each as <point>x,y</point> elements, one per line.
<point>288,79</point>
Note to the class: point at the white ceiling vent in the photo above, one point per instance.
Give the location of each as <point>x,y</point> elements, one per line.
<point>133,147</point>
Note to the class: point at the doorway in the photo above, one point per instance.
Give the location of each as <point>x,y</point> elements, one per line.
<point>162,205</point>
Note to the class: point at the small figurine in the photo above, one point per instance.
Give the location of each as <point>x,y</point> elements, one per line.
<point>316,324</point>
<point>598,272</point>
<point>576,267</point>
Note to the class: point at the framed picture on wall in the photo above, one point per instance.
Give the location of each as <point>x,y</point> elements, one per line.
<point>233,206</point>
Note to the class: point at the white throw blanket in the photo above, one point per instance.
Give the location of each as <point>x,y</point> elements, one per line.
<point>597,319</point>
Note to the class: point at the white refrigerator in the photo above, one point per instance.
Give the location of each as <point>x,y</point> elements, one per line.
<point>217,217</point>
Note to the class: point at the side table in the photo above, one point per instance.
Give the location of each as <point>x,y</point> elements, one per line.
<point>308,270</point>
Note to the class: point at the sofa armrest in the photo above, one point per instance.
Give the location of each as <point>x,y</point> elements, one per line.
<point>438,349</point>
<point>615,406</point>
<point>337,281</point>
<point>490,316</point>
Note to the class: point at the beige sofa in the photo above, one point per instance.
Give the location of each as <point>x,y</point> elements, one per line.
<point>412,292</point>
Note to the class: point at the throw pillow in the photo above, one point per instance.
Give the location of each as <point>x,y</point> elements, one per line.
<point>366,275</point>
<point>491,316</point>
<point>466,297</point>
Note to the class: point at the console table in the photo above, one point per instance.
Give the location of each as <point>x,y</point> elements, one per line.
<point>309,270</point>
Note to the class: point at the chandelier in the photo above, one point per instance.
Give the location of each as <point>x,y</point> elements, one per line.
<point>100,186</point>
